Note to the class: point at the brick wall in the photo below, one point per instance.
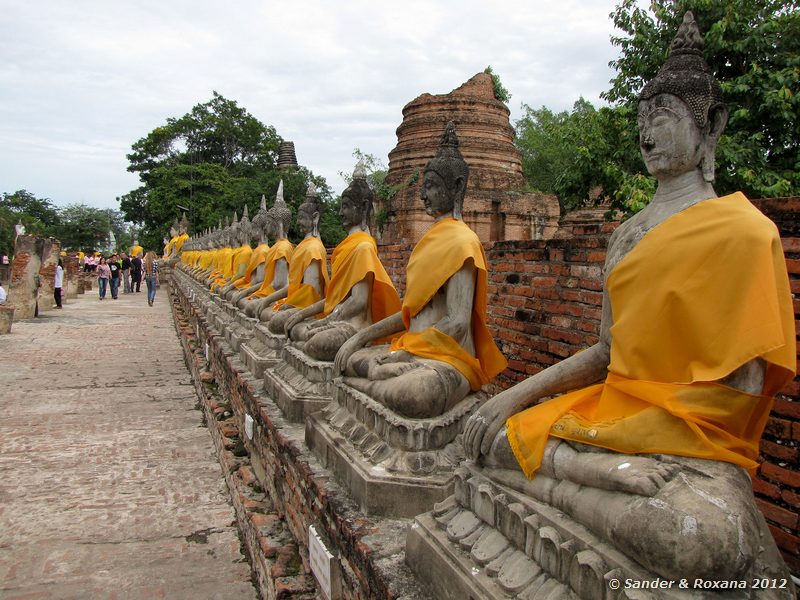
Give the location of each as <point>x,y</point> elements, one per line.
<point>544,305</point>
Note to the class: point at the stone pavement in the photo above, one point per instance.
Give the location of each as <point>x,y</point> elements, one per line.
<point>109,486</point>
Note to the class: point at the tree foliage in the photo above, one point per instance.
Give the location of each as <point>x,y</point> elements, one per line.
<point>753,49</point>
<point>38,215</point>
<point>212,161</point>
<point>83,227</point>
<point>500,91</point>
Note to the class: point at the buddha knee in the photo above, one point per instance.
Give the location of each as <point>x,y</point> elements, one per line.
<point>695,528</point>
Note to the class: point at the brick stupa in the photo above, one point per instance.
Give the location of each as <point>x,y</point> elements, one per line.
<point>495,207</point>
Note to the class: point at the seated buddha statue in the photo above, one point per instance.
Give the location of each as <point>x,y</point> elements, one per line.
<point>445,350</point>
<point>207,263</point>
<point>696,338</point>
<point>276,261</point>
<point>308,269</point>
<point>224,253</point>
<point>253,274</point>
<point>360,291</point>
<point>169,247</point>
<point>239,255</point>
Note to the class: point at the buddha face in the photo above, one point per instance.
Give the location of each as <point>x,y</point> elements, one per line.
<point>350,211</point>
<point>437,198</point>
<point>670,140</point>
<point>306,220</point>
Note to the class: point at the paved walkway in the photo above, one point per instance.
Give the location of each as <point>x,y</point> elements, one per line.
<point>109,487</point>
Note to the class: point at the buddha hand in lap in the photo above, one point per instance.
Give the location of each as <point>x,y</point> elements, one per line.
<point>654,457</point>
<point>308,269</point>
<point>360,291</point>
<point>446,350</point>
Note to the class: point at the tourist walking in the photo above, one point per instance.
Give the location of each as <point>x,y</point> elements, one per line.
<point>2,294</point>
<point>125,264</point>
<point>150,276</point>
<point>114,266</point>
<point>136,273</point>
<point>58,282</point>
<point>103,275</point>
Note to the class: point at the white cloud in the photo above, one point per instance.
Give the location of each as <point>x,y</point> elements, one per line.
<point>83,80</point>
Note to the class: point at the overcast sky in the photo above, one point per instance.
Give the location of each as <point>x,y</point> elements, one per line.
<point>82,80</point>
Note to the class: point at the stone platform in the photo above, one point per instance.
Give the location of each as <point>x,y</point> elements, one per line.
<point>391,465</point>
<point>262,350</point>
<point>298,384</point>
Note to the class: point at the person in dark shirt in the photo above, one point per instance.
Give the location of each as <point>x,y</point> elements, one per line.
<point>114,266</point>
<point>125,264</point>
<point>136,273</point>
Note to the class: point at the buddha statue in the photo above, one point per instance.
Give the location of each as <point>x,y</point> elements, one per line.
<point>276,262</point>
<point>169,247</point>
<point>696,338</point>
<point>253,274</point>
<point>360,291</point>
<point>446,350</point>
<point>224,253</point>
<point>240,258</point>
<point>136,249</point>
<point>308,269</point>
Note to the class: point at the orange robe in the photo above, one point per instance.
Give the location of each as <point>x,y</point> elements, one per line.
<point>282,249</point>
<point>700,295</point>
<point>352,260</point>
<point>440,254</point>
<point>302,294</point>
<point>241,256</point>
<point>256,259</point>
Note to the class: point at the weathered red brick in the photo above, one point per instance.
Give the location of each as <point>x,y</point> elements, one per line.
<point>780,474</point>
<point>777,514</point>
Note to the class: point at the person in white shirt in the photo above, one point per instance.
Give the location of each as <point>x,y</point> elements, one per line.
<point>2,294</point>
<point>58,281</point>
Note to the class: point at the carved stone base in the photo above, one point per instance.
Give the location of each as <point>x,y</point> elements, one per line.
<point>298,384</point>
<point>262,350</point>
<point>489,541</point>
<point>392,466</point>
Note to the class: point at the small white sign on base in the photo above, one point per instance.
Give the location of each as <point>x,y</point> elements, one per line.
<point>248,426</point>
<point>321,562</point>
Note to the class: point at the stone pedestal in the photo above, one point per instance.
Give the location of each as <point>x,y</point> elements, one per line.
<point>489,541</point>
<point>262,350</point>
<point>6,318</point>
<point>298,384</point>
<point>392,466</point>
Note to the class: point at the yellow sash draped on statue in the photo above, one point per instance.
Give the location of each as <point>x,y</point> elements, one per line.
<point>179,241</point>
<point>222,263</point>
<point>257,257</point>
<point>136,251</point>
<point>169,246</point>
<point>302,294</point>
<point>282,249</point>
<point>352,260</point>
<point>206,259</point>
<point>240,258</point>
<point>701,294</point>
<point>440,254</point>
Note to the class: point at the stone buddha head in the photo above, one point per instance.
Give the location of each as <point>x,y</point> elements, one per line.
<point>173,230</point>
<point>308,212</point>
<point>681,113</point>
<point>357,198</point>
<point>280,215</point>
<point>260,221</point>
<point>444,181</point>
<point>183,225</point>
<point>244,228</point>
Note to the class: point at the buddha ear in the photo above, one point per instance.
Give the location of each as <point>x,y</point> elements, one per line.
<point>458,197</point>
<point>717,119</point>
<point>315,228</point>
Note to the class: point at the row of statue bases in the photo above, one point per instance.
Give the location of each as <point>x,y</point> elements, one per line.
<point>633,480</point>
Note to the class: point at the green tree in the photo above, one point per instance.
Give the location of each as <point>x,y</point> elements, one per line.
<point>753,49</point>
<point>38,215</point>
<point>212,161</point>
<point>500,91</point>
<point>581,154</point>
<point>376,177</point>
<point>83,227</point>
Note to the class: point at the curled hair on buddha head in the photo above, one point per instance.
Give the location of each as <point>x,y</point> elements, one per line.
<point>245,226</point>
<point>686,75</point>
<point>259,221</point>
<point>451,167</point>
<point>361,193</point>
<point>311,205</point>
<point>280,212</point>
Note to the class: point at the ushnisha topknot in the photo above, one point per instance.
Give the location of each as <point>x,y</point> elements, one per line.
<point>686,74</point>
<point>260,218</point>
<point>280,211</point>
<point>244,224</point>
<point>359,189</point>
<point>311,202</point>
<point>448,162</point>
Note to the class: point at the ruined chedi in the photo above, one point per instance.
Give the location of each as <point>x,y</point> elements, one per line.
<point>495,207</point>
